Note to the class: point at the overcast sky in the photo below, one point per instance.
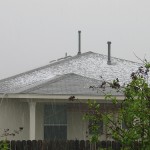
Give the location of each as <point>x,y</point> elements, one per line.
<point>34,32</point>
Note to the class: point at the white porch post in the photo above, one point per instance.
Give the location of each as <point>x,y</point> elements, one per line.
<point>32,108</point>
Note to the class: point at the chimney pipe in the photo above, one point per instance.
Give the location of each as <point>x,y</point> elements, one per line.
<point>79,40</point>
<point>109,53</point>
<point>65,54</point>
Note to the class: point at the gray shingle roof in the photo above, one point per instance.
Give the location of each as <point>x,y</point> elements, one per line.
<point>91,65</point>
<point>65,84</point>
<point>68,84</point>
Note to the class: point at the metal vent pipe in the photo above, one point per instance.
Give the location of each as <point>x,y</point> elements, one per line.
<point>79,42</point>
<point>109,53</point>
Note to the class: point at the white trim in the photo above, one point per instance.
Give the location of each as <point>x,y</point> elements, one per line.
<point>55,97</point>
<point>32,108</point>
<point>55,124</point>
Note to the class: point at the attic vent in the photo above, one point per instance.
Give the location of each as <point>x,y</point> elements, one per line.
<point>61,59</point>
<point>79,42</point>
<point>52,61</point>
<point>109,53</point>
<point>68,57</point>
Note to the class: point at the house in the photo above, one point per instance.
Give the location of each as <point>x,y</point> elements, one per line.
<point>38,100</point>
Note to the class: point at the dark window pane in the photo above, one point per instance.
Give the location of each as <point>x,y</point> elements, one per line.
<point>55,132</point>
<point>55,122</point>
<point>55,114</point>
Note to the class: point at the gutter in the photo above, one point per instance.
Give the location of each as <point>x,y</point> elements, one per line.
<point>43,97</point>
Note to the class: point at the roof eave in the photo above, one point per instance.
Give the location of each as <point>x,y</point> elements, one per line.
<point>54,97</point>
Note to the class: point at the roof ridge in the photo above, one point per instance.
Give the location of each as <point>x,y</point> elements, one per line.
<point>45,66</point>
<point>119,58</point>
<point>60,61</point>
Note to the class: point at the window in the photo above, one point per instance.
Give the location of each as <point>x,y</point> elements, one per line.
<point>55,122</point>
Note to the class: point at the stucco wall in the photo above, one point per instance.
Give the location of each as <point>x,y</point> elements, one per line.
<point>14,114</point>
<point>76,128</point>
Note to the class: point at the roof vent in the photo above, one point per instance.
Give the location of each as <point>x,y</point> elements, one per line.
<point>79,43</point>
<point>52,61</point>
<point>109,53</point>
<point>61,59</point>
<point>65,54</point>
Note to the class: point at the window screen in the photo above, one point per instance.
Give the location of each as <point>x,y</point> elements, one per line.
<point>55,122</point>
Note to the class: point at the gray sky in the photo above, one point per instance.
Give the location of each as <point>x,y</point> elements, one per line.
<point>34,32</point>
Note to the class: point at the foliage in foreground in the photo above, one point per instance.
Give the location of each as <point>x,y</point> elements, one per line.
<point>132,122</point>
<point>4,145</point>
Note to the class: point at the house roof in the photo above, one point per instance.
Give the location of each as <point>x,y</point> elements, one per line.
<point>68,84</point>
<point>88,65</point>
<point>64,84</point>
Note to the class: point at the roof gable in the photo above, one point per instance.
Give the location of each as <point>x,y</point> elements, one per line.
<point>69,84</point>
<point>64,85</point>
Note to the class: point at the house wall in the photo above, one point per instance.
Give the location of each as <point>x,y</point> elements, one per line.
<point>14,114</point>
<point>39,134</point>
<point>76,128</point>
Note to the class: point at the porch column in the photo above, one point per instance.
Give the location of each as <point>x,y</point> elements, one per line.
<point>32,108</point>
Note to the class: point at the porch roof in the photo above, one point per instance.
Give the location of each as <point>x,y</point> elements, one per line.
<point>69,84</point>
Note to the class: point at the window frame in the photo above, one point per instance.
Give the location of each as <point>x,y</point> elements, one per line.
<point>55,124</point>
